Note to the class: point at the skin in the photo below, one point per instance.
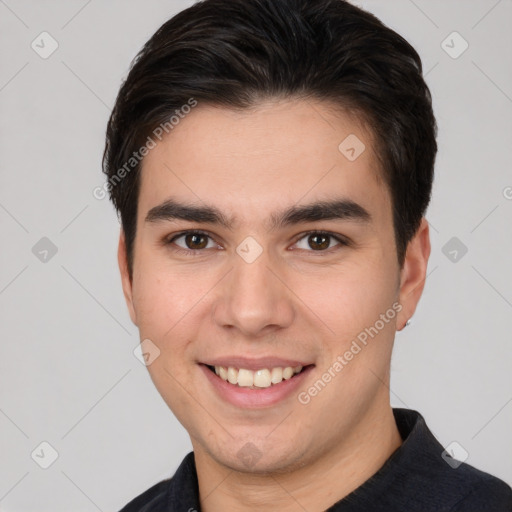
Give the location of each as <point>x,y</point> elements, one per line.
<point>292,301</point>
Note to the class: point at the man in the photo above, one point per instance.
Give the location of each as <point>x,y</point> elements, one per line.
<point>272,162</point>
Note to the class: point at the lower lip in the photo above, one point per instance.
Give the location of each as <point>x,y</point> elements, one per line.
<point>255,398</point>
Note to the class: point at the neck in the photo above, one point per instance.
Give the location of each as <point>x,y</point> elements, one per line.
<point>315,486</point>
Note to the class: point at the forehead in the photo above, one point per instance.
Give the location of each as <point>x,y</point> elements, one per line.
<point>277,153</point>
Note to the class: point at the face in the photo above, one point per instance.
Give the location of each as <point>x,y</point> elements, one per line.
<point>263,250</point>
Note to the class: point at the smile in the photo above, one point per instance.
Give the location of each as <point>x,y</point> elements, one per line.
<point>249,383</point>
<point>263,378</point>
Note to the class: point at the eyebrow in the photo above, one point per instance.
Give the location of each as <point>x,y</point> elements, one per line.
<point>337,209</point>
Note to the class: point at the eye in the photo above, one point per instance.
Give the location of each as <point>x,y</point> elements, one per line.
<point>319,241</point>
<point>192,241</point>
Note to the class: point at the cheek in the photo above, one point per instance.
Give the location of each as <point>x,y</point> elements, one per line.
<point>350,298</point>
<point>162,295</point>
<point>157,312</point>
<point>173,382</point>
<point>164,303</point>
<point>171,308</point>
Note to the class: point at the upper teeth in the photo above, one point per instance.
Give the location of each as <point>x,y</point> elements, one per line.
<point>263,378</point>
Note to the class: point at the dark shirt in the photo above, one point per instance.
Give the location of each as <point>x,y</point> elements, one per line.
<point>415,478</point>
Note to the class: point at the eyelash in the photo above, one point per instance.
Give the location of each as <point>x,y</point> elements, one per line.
<point>192,252</point>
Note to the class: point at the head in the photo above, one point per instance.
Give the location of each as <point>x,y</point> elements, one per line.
<point>261,123</point>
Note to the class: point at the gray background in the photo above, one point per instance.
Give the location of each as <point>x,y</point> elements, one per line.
<point>68,375</point>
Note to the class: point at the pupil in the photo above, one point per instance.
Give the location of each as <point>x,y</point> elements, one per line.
<point>319,245</point>
<point>193,239</point>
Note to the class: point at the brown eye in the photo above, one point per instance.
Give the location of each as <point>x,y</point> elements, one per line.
<point>196,241</point>
<point>318,241</point>
<point>192,241</point>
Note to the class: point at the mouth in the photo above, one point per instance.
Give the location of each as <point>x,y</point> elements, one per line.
<point>264,384</point>
<point>256,379</point>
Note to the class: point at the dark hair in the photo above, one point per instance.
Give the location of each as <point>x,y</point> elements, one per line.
<point>236,53</point>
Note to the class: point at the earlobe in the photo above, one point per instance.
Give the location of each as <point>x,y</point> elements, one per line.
<point>413,273</point>
<point>125,276</point>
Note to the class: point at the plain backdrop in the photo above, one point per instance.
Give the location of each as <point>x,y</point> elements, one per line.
<point>68,374</point>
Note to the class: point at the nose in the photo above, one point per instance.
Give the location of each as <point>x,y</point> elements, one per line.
<point>254,298</point>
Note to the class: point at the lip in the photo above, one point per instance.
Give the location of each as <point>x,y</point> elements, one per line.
<point>255,398</point>
<point>255,364</point>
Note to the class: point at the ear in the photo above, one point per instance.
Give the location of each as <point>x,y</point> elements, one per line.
<point>414,273</point>
<point>125,276</point>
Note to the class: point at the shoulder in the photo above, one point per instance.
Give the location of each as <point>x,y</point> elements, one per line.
<point>170,494</point>
<point>426,477</point>
<point>151,500</point>
<point>476,490</point>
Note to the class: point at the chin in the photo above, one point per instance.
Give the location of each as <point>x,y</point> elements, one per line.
<point>260,457</point>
